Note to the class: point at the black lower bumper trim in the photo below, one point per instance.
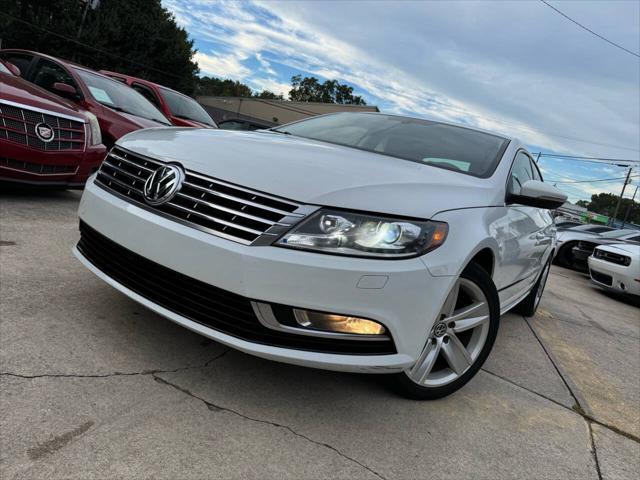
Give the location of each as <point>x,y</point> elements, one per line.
<point>213,307</point>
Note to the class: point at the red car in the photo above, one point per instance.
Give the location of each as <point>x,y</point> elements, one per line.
<point>119,109</point>
<point>183,111</point>
<point>44,139</point>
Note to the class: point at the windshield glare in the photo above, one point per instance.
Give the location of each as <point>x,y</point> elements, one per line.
<point>182,106</point>
<point>422,141</point>
<point>4,69</point>
<point>116,95</point>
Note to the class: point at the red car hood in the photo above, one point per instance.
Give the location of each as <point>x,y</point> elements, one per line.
<point>15,89</point>
<point>141,121</point>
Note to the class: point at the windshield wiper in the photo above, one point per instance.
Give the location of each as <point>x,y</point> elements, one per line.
<point>283,132</point>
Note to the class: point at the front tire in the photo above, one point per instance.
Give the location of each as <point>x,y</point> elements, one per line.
<point>459,342</point>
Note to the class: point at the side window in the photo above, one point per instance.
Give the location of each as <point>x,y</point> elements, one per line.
<point>146,93</point>
<point>536,171</point>
<point>20,60</point>
<point>521,171</point>
<point>47,73</point>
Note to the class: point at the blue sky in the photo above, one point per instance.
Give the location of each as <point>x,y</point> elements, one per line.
<point>515,67</point>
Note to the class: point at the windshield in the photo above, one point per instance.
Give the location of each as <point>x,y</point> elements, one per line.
<point>120,97</point>
<point>184,107</point>
<point>422,141</point>
<point>4,69</point>
<point>618,233</point>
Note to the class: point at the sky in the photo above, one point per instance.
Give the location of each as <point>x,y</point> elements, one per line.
<point>513,67</point>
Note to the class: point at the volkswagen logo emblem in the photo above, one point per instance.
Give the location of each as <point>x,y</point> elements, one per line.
<point>440,329</point>
<point>163,184</point>
<point>44,132</point>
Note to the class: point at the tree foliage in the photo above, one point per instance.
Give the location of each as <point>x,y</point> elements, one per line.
<point>136,37</point>
<point>605,204</point>
<point>217,87</point>
<point>309,89</point>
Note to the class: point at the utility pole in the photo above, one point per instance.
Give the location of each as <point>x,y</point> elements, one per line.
<point>615,213</point>
<point>626,215</point>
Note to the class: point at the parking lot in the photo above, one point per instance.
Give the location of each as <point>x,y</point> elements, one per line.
<point>95,386</point>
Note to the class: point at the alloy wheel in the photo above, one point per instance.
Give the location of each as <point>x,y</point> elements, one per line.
<point>456,339</point>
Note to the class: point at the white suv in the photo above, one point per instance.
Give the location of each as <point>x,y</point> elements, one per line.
<point>357,242</point>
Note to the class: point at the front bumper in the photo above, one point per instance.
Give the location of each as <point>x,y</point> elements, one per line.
<point>614,277</point>
<point>407,303</point>
<point>21,164</point>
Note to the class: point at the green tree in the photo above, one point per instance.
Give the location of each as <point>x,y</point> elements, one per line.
<point>605,204</point>
<point>217,87</point>
<point>268,94</point>
<point>309,89</point>
<point>136,37</point>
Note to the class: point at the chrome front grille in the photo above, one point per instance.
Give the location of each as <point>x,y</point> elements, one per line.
<point>205,203</point>
<point>18,125</point>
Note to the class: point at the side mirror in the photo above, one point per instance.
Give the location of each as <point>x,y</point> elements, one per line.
<point>65,90</point>
<point>535,193</point>
<point>13,69</point>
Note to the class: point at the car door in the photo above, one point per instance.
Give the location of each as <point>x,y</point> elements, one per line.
<point>530,234</point>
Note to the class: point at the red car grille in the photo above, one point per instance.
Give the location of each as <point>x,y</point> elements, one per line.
<point>18,125</point>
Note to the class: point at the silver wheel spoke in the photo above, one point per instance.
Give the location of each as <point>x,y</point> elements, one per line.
<point>456,355</point>
<point>450,303</point>
<point>476,309</point>
<point>425,363</point>
<point>469,323</point>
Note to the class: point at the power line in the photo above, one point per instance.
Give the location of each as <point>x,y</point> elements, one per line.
<point>584,158</point>
<point>600,161</point>
<point>589,30</point>
<point>592,181</point>
<point>51,32</point>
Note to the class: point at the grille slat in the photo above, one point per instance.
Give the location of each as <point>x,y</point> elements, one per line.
<point>211,306</point>
<point>18,125</point>
<point>209,204</point>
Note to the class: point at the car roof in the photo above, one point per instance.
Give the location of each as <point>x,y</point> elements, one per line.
<point>108,73</point>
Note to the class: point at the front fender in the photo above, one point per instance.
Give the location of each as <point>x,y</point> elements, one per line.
<point>470,231</point>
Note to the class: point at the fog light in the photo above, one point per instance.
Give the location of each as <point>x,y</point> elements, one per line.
<point>337,323</point>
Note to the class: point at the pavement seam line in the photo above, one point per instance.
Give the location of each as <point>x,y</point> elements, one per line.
<point>580,410</point>
<point>115,374</point>
<point>213,406</point>
<point>588,418</point>
<point>594,452</point>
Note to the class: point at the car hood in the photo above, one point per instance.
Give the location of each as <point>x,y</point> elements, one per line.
<point>568,235</point>
<point>16,89</point>
<point>622,248</point>
<point>315,172</point>
<point>140,121</point>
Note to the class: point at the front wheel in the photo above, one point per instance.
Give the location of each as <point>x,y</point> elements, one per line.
<point>459,342</point>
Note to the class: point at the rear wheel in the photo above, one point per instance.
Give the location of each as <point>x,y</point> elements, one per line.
<point>459,342</point>
<point>564,258</point>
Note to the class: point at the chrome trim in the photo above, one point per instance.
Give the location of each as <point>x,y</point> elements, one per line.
<point>265,316</point>
<point>42,110</point>
<point>27,172</point>
<point>266,230</point>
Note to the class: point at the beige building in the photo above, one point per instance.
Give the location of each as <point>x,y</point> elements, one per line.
<point>250,113</point>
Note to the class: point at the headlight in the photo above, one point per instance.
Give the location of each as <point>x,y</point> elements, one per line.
<point>332,231</point>
<point>94,126</point>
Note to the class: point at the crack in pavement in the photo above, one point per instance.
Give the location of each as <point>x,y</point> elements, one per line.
<point>115,374</point>
<point>594,452</point>
<point>214,407</point>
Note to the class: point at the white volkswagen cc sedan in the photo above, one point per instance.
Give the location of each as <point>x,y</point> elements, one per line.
<point>358,242</point>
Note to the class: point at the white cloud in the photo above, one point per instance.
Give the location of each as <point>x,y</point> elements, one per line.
<point>219,65</point>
